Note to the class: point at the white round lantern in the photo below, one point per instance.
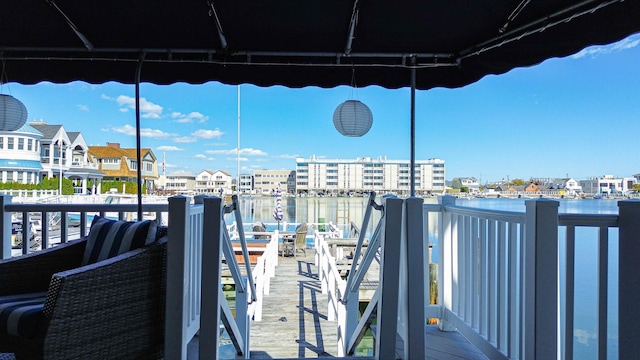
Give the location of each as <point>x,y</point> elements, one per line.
<point>13,113</point>
<point>352,118</point>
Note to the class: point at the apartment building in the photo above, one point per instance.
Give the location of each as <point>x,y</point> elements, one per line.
<point>266,181</point>
<point>246,184</point>
<point>368,174</point>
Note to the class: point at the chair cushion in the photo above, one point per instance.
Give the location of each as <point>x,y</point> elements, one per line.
<point>108,238</point>
<point>20,315</point>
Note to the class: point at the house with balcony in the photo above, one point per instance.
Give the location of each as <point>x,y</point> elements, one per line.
<point>65,154</point>
<point>121,164</point>
<point>213,182</point>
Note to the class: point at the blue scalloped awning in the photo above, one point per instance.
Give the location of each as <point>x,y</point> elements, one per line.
<point>20,164</point>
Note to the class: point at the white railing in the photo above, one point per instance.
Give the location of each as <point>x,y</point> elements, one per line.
<point>60,223</point>
<point>500,278</point>
<point>185,251</point>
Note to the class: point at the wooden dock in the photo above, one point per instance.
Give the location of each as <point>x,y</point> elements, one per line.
<point>295,326</point>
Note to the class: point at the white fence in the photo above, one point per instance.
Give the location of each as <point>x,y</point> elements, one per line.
<point>499,279</point>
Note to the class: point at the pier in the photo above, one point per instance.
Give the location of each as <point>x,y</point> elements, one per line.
<point>295,324</point>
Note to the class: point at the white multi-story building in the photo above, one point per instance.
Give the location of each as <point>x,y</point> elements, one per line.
<point>607,184</point>
<point>246,184</point>
<point>368,174</point>
<point>266,181</point>
<point>20,155</point>
<point>213,182</point>
<point>178,182</point>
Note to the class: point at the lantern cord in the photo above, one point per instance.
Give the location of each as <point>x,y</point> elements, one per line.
<point>354,85</point>
<point>3,78</point>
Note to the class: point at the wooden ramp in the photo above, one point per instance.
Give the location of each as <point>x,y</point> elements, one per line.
<point>294,322</point>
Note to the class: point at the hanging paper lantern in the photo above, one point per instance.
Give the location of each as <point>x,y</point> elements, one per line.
<point>13,113</point>
<point>352,118</point>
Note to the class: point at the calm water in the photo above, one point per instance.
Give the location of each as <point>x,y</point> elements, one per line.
<point>343,210</point>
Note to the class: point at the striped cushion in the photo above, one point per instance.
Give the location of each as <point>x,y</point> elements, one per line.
<point>109,238</point>
<point>20,315</point>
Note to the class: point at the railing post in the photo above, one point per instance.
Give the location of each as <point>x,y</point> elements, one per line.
<point>416,280</point>
<point>445,280</point>
<point>211,277</point>
<point>388,304</point>
<point>243,320</point>
<point>628,274</point>
<point>5,227</point>
<point>347,319</point>
<point>175,345</point>
<point>540,274</point>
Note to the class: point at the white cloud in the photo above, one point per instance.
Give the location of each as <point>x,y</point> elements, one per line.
<point>207,134</point>
<point>169,148</point>
<point>145,132</point>
<point>240,159</point>
<point>246,152</point>
<point>82,107</point>
<point>200,156</point>
<point>148,109</point>
<point>189,118</point>
<point>285,156</point>
<point>184,139</point>
<point>621,45</point>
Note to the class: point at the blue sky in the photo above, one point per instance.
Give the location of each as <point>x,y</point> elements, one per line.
<point>577,116</point>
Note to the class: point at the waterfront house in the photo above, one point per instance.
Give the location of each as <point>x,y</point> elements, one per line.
<point>66,154</point>
<point>213,182</point>
<point>121,164</point>
<point>177,182</point>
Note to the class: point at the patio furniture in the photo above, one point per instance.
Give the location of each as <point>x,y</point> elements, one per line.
<point>260,229</point>
<point>291,244</point>
<point>108,309</point>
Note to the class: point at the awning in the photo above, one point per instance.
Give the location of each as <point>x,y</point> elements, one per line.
<point>296,43</point>
<point>20,164</point>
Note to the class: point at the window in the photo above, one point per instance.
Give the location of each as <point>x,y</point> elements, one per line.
<point>134,165</point>
<point>10,143</point>
<point>30,144</point>
<point>1,142</point>
<point>20,173</point>
<point>20,144</point>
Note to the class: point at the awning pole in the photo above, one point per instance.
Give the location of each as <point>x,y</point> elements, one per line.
<point>138,151</point>
<point>412,188</point>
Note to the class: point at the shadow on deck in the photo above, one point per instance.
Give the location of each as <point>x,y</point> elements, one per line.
<point>294,322</point>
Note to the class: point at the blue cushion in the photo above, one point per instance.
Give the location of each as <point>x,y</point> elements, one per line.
<point>20,315</point>
<point>109,238</point>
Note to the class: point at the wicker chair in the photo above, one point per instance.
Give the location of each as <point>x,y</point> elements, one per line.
<point>112,309</point>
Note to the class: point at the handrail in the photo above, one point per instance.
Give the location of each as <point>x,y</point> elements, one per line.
<point>235,207</point>
<point>356,270</point>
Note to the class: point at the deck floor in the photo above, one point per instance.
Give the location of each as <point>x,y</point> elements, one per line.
<point>295,326</point>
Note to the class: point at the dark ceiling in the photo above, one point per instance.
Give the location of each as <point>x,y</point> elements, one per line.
<point>298,43</point>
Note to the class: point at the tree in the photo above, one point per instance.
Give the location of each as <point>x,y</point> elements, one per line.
<point>456,184</point>
<point>517,182</point>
